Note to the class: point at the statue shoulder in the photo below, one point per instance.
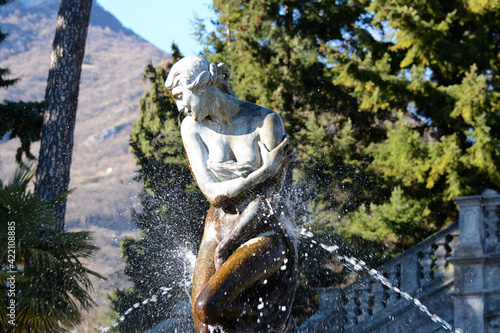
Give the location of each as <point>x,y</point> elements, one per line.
<point>271,128</point>
<point>273,122</point>
<point>264,114</point>
<point>273,117</point>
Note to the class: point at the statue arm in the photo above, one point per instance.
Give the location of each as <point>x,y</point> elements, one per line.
<point>275,150</point>
<point>273,153</point>
<point>239,234</point>
<point>272,131</point>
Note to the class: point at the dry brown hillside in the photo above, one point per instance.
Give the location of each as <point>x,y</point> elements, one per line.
<point>103,168</point>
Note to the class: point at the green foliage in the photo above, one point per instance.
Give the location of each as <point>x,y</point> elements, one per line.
<point>443,85</point>
<point>4,72</point>
<point>376,94</point>
<point>401,221</point>
<point>173,211</point>
<point>22,120</point>
<point>392,106</point>
<point>51,283</point>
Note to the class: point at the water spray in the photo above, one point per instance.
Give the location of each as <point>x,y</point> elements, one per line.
<point>359,266</point>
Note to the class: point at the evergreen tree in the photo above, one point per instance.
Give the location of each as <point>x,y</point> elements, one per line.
<point>393,107</point>
<point>21,120</point>
<point>173,211</point>
<point>438,77</point>
<point>4,72</point>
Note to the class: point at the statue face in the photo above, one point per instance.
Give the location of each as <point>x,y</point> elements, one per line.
<point>193,103</point>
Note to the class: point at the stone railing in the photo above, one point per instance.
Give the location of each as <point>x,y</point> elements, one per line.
<point>438,284</point>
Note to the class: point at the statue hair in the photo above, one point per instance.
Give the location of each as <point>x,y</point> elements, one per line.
<point>196,73</point>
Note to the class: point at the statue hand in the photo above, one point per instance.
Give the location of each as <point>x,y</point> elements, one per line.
<point>277,158</point>
<point>222,252</point>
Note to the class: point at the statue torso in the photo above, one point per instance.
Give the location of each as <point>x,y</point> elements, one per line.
<point>233,152</point>
<point>236,143</point>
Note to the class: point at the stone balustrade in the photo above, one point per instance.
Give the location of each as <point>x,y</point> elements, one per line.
<point>451,278</point>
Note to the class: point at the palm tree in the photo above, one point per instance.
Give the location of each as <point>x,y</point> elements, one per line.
<point>46,280</point>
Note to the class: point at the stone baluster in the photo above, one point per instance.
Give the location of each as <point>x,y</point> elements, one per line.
<point>453,239</point>
<point>441,253</point>
<point>426,265</point>
<point>393,276</point>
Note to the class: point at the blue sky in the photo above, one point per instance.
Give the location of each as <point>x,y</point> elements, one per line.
<point>162,22</point>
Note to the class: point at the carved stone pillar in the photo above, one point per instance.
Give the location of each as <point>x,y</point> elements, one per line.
<point>476,261</point>
<point>471,226</point>
<point>491,203</point>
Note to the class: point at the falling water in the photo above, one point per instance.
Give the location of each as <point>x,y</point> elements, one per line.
<point>189,262</point>
<point>353,263</point>
<point>163,291</point>
<point>359,265</point>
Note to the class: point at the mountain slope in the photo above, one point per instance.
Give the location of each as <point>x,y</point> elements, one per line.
<point>115,57</point>
<point>103,168</point>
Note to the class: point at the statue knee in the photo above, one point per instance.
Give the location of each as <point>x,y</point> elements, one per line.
<point>206,309</point>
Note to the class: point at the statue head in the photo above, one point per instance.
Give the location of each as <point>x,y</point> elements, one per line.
<point>196,73</point>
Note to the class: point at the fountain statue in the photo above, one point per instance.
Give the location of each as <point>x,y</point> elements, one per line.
<point>246,271</point>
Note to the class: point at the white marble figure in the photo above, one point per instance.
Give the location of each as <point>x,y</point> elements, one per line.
<point>237,152</point>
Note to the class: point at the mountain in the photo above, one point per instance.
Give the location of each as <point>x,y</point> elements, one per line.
<point>102,171</point>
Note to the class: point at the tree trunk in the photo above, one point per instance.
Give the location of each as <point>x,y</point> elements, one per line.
<point>61,101</point>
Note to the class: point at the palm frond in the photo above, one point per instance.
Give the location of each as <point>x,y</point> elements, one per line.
<point>53,284</point>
